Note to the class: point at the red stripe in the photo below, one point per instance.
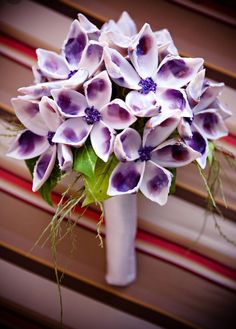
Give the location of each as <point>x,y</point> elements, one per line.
<point>18,45</point>
<point>193,256</point>
<point>141,235</point>
<point>230,139</point>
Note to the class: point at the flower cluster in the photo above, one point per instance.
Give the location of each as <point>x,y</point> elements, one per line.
<point>121,97</point>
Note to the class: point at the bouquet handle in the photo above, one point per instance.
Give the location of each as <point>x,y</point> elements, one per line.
<point>121,227</point>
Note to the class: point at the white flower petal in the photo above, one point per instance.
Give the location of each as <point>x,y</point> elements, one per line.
<point>74,45</point>
<point>176,71</point>
<point>156,183</point>
<point>142,105</point>
<point>173,99</point>
<point>28,113</point>
<point>65,157</point>
<point>44,89</point>
<point>70,102</point>
<point>127,24</point>
<point>49,112</point>
<point>98,90</point>
<point>28,145</point>
<point>221,108</point>
<point>200,144</point>
<point>173,154</point>
<point>195,86</point>
<point>73,132</point>
<point>120,70</point>
<point>43,168</point>
<point>127,144</point>
<point>126,178</point>
<point>117,115</point>
<point>115,40</point>
<point>211,92</point>
<point>102,140</point>
<point>92,57</point>
<point>143,52</point>
<point>52,65</point>
<point>158,128</point>
<point>184,128</point>
<point>165,43</point>
<point>88,27</point>
<point>210,124</point>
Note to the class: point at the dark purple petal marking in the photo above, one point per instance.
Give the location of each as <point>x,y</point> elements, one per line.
<point>210,120</point>
<point>158,182</point>
<point>32,109</point>
<point>145,43</point>
<point>147,85</point>
<point>176,98</point>
<point>116,111</point>
<point>106,144</point>
<point>127,181</point>
<point>27,142</point>
<point>92,115</point>
<point>43,165</point>
<point>145,153</point>
<point>197,142</point>
<point>120,81</point>
<point>50,137</point>
<point>94,50</point>
<point>64,102</point>
<point>95,87</point>
<point>178,152</point>
<point>74,48</point>
<point>115,59</point>
<point>177,67</point>
<point>70,135</point>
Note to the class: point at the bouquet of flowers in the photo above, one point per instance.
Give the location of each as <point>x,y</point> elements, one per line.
<point>119,107</point>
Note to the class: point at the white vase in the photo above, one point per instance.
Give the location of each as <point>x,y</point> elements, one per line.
<point>121,227</point>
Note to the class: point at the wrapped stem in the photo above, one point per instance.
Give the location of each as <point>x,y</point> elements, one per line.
<point>121,226</point>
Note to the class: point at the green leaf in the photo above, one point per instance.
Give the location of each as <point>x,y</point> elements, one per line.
<point>211,151</point>
<point>50,183</point>
<point>97,184</point>
<point>173,182</point>
<point>30,163</point>
<point>85,160</point>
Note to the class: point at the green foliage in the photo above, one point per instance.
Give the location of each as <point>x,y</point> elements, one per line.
<point>96,185</point>
<point>173,182</point>
<point>85,160</point>
<point>211,152</point>
<point>51,182</point>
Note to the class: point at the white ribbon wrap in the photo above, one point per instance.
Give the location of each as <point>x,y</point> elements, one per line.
<point>121,226</point>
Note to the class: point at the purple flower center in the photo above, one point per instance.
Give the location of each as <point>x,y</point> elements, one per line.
<point>92,115</point>
<point>145,153</point>
<point>147,85</point>
<point>50,137</point>
<point>72,73</point>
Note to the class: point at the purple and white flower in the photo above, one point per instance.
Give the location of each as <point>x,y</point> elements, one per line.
<point>154,86</point>
<point>142,162</point>
<point>118,35</point>
<point>208,115</point>
<point>41,120</point>
<point>91,114</point>
<point>81,56</point>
